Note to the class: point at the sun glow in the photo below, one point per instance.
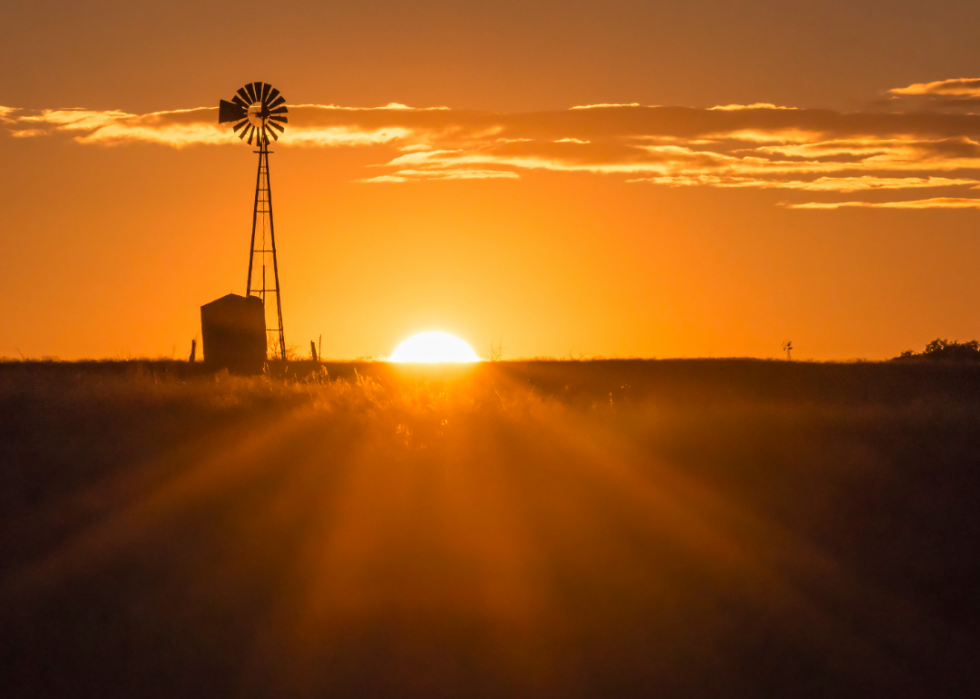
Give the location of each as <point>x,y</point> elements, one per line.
<point>433,347</point>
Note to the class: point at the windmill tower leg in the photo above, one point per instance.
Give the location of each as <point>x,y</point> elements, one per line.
<point>263,233</point>
<point>275,259</point>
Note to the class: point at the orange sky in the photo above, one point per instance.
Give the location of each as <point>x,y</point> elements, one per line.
<point>771,172</point>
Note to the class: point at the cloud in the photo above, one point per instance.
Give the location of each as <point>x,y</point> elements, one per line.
<point>864,183</point>
<point>809,152</point>
<point>868,183</point>
<point>422,175</point>
<point>969,87</point>
<point>757,105</point>
<point>948,95</point>
<point>937,203</point>
<point>605,105</point>
<point>390,105</point>
<point>176,128</point>
<point>328,136</point>
<point>311,125</point>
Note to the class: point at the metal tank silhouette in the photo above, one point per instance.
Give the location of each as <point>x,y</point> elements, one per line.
<point>233,334</point>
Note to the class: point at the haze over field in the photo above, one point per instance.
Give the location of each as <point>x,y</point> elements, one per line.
<point>742,175</point>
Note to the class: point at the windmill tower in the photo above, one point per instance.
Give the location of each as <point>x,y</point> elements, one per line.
<point>258,111</point>
<point>788,349</point>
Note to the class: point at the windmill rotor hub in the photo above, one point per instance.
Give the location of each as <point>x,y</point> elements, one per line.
<point>257,114</point>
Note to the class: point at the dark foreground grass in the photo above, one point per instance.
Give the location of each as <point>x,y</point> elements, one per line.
<point>597,529</point>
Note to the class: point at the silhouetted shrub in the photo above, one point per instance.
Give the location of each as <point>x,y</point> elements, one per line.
<point>940,350</point>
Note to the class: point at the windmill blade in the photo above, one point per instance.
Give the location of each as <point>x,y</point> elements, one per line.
<point>243,94</point>
<point>251,134</point>
<point>240,102</point>
<point>274,135</point>
<point>257,88</point>
<point>276,102</point>
<point>246,93</point>
<point>275,125</point>
<point>244,134</point>
<point>250,91</point>
<point>280,118</point>
<point>229,111</point>
<point>265,92</point>
<point>279,110</point>
<point>243,122</point>
<point>273,93</point>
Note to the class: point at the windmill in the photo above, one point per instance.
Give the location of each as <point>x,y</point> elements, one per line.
<point>788,349</point>
<point>258,111</point>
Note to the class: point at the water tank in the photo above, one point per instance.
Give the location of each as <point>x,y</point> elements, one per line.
<point>233,334</point>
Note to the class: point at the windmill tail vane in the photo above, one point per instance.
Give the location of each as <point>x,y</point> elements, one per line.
<point>258,112</point>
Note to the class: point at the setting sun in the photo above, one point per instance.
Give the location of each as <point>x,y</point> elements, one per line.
<point>433,347</point>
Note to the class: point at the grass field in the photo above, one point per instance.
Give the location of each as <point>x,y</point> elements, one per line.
<point>701,528</point>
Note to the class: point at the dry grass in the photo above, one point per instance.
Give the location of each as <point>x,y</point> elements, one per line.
<point>716,528</point>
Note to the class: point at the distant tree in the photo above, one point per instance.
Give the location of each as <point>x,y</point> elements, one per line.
<point>941,350</point>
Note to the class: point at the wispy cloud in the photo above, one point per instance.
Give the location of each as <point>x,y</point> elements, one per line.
<point>6,115</point>
<point>176,128</point>
<point>605,105</point>
<point>313,125</point>
<point>757,105</point>
<point>813,152</point>
<point>958,86</point>
<point>957,94</point>
<point>420,175</point>
<point>821,184</point>
<point>936,203</point>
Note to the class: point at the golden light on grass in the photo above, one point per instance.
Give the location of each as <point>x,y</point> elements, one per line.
<point>433,348</point>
